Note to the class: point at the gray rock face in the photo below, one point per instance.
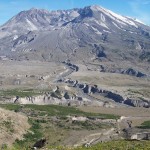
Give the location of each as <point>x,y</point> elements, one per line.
<point>39,144</point>
<point>56,97</point>
<point>133,72</point>
<point>141,136</point>
<point>137,103</point>
<point>92,31</point>
<point>129,71</point>
<point>92,89</point>
<point>66,96</point>
<point>72,66</point>
<point>115,97</point>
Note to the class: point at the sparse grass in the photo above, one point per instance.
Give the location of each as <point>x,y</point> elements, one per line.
<point>11,107</point>
<point>145,125</point>
<point>8,125</point>
<point>141,92</point>
<point>90,125</point>
<point>119,145</point>
<point>23,92</point>
<point>145,56</point>
<point>51,121</point>
<point>56,110</point>
<point>113,145</point>
<point>20,93</point>
<point>133,91</point>
<point>40,127</point>
<point>34,134</point>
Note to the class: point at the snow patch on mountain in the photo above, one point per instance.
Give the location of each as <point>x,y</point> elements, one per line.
<point>106,31</point>
<point>15,37</point>
<point>96,31</point>
<point>137,20</point>
<point>101,24</point>
<point>74,14</point>
<point>116,17</point>
<point>87,24</point>
<point>116,25</point>
<point>102,17</point>
<point>32,26</point>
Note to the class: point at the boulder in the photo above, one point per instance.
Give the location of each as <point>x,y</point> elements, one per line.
<point>141,136</point>
<point>137,103</point>
<point>115,97</point>
<point>39,144</point>
<point>133,72</point>
<point>66,95</point>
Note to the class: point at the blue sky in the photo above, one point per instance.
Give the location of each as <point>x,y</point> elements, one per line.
<point>139,9</point>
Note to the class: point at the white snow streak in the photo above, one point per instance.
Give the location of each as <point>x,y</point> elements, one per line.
<point>102,17</point>
<point>32,26</point>
<point>118,18</point>
<point>96,31</point>
<point>116,25</point>
<point>101,24</point>
<point>15,37</point>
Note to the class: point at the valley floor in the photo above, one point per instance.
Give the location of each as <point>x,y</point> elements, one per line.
<point>55,101</point>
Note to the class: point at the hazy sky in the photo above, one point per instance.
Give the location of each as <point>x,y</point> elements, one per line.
<point>139,9</point>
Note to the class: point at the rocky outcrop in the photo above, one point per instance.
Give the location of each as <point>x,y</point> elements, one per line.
<point>72,66</point>
<point>99,51</point>
<point>133,72</point>
<point>141,136</point>
<point>66,99</point>
<point>39,144</point>
<point>91,89</point>
<point>145,56</point>
<point>137,103</point>
<point>27,38</point>
<point>115,97</point>
<point>66,95</point>
<point>94,89</point>
<point>129,71</point>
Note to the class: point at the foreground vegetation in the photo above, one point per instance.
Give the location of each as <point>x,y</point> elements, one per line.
<point>56,110</point>
<point>113,145</point>
<point>53,123</point>
<point>145,125</point>
<point>19,93</point>
<point>116,145</point>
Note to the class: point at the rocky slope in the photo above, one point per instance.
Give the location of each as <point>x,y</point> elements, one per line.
<point>78,34</point>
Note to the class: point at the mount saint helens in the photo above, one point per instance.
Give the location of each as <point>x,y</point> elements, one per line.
<point>78,34</point>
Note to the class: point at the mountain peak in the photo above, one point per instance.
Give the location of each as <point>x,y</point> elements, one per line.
<point>35,10</point>
<point>88,25</point>
<point>95,7</point>
<point>41,19</point>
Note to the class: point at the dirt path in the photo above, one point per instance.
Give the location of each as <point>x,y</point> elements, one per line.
<point>103,135</point>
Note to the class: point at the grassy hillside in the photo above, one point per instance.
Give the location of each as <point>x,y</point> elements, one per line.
<point>54,123</point>
<point>56,110</point>
<point>116,145</point>
<point>145,125</point>
<point>113,145</point>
